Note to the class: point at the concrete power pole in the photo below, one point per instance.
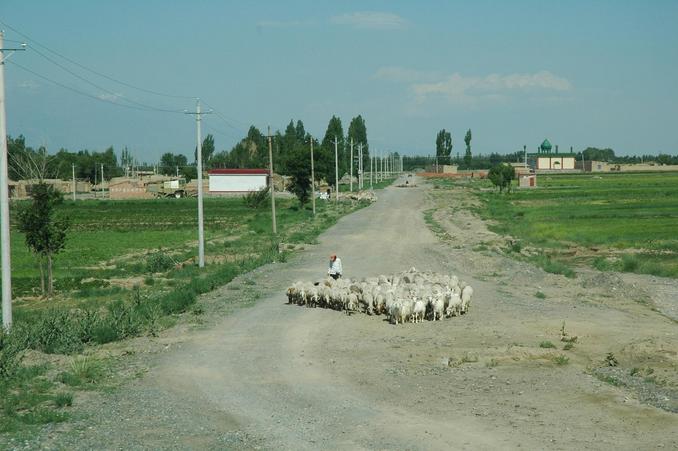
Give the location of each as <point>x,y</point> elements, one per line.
<point>270,167</point>
<point>102,180</point>
<point>201,222</point>
<point>73,169</point>
<point>312,179</point>
<point>4,196</point>
<point>336,170</point>
<point>371,169</point>
<point>360,166</point>
<point>350,182</point>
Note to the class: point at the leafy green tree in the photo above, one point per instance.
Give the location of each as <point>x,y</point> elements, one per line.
<point>595,154</point>
<point>325,167</point>
<point>358,131</point>
<point>300,131</point>
<point>501,176</point>
<point>444,144</point>
<point>169,163</point>
<point>299,169</point>
<point>45,229</point>
<point>468,157</point>
<point>207,150</point>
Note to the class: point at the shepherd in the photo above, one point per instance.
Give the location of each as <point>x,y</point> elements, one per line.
<point>335,269</point>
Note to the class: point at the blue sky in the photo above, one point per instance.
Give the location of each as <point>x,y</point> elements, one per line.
<point>581,73</point>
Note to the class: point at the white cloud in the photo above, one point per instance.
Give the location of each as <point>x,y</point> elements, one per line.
<point>30,85</point>
<point>283,23</point>
<point>374,20</point>
<point>457,88</point>
<point>404,75</point>
<point>109,97</point>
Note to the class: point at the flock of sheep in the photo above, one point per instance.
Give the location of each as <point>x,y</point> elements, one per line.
<point>410,296</point>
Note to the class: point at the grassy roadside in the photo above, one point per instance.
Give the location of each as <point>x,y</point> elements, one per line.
<point>109,289</point>
<point>619,222</point>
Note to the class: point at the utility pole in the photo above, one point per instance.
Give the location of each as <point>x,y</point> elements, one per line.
<point>312,179</point>
<point>336,170</point>
<point>371,170</point>
<point>360,166</point>
<point>73,169</point>
<point>201,229</point>
<point>4,196</point>
<point>350,183</point>
<point>102,180</point>
<point>270,167</point>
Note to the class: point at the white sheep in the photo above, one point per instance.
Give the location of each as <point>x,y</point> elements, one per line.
<point>437,308</point>
<point>394,312</point>
<point>418,310</point>
<point>453,307</point>
<point>466,295</point>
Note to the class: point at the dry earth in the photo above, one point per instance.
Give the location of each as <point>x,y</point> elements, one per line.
<point>278,376</point>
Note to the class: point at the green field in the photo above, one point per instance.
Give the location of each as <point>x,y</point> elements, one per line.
<point>114,240</point>
<point>625,222</point>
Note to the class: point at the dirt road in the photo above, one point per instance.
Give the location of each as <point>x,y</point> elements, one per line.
<point>277,376</point>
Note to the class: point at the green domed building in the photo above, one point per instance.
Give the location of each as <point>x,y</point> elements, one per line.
<point>547,160</point>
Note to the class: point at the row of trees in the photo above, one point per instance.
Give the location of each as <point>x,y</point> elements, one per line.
<point>289,148</point>
<point>23,159</point>
<point>444,147</point>
<point>607,154</point>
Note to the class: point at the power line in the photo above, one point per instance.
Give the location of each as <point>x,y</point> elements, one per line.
<point>51,60</point>
<point>228,121</point>
<point>225,119</point>
<point>83,93</point>
<point>108,77</point>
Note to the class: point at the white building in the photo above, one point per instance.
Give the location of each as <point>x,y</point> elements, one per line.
<point>237,180</point>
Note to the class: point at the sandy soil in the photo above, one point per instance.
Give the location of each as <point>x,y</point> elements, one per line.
<point>278,376</point>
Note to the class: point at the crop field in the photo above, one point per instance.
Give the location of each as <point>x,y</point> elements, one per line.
<point>114,240</point>
<point>624,222</point>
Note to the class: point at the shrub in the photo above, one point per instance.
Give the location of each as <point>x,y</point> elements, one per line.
<point>87,321</point>
<point>63,399</point>
<point>546,345</point>
<point>561,360</point>
<point>540,295</point>
<point>159,262</point>
<point>83,370</point>
<point>104,333</point>
<point>256,199</point>
<point>55,332</point>
<point>178,300</point>
<point>10,355</point>
<point>630,263</point>
<point>554,266</point>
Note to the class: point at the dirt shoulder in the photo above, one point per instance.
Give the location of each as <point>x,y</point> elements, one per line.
<point>278,376</point>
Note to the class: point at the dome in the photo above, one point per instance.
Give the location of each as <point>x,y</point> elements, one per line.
<point>545,146</point>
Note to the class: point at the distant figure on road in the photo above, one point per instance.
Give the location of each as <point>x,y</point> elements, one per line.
<point>335,267</point>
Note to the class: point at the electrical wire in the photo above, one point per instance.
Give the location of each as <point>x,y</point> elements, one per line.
<point>135,105</point>
<point>149,107</point>
<point>226,121</point>
<point>77,91</point>
<point>108,77</point>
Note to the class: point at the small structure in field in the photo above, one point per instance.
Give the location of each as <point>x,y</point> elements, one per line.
<point>595,166</point>
<point>237,180</point>
<point>128,189</point>
<point>528,181</point>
